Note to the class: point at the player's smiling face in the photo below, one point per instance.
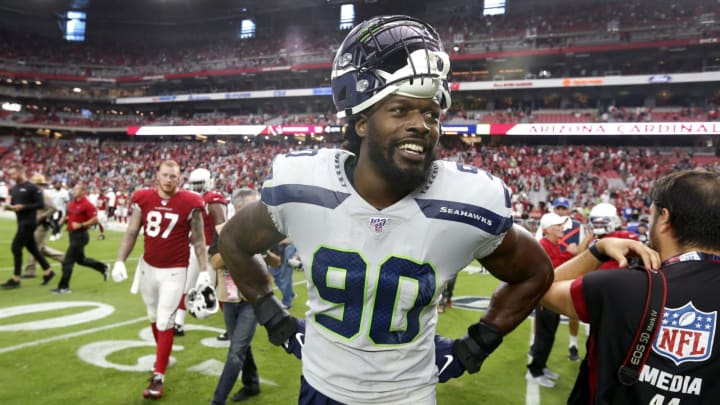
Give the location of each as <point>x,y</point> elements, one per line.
<point>401,134</point>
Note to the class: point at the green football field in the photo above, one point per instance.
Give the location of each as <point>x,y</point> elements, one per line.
<point>94,346</point>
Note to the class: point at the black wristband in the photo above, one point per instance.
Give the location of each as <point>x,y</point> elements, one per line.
<point>277,320</point>
<point>601,257</point>
<point>482,339</point>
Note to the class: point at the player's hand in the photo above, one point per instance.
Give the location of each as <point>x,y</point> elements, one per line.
<point>119,272</point>
<point>619,249</point>
<point>203,279</point>
<point>280,325</point>
<point>448,364</point>
<point>296,342</point>
<point>482,339</point>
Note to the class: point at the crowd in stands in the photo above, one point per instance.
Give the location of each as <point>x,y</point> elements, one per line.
<point>612,114</point>
<point>562,25</point>
<point>535,174</point>
<point>121,119</point>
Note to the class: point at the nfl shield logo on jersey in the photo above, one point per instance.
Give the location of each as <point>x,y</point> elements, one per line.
<point>686,334</point>
<point>377,224</point>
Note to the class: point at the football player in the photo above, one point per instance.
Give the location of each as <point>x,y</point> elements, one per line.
<point>215,213</point>
<point>606,222</point>
<point>168,215</point>
<point>382,225</point>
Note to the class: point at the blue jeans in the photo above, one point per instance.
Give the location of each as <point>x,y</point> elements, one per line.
<point>284,282</point>
<point>240,323</point>
<point>283,274</point>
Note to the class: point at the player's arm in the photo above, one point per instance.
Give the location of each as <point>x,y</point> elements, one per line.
<point>197,238</point>
<point>521,263</point>
<point>558,297</point>
<point>133,230</point>
<point>119,272</point>
<point>526,273</point>
<point>218,212</point>
<point>249,232</point>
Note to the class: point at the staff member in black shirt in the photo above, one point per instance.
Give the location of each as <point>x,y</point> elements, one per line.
<point>25,199</point>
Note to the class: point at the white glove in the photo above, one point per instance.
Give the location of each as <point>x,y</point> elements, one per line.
<point>203,279</point>
<point>119,272</point>
<point>294,262</point>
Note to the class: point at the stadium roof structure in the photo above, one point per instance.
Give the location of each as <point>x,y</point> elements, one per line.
<point>153,11</point>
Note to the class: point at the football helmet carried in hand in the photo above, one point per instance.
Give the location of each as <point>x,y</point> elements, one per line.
<point>604,219</point>
<point>200,181</point>
<point>385,55</point>
<point>201,301</point>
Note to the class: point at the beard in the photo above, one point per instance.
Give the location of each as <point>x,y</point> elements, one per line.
<point>404,178</point>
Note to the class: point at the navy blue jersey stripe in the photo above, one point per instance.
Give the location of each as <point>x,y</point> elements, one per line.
<point>299,193</point>
<point>472,215</point>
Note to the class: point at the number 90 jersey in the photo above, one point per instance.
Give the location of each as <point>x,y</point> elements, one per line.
<point>167,225</point>
<point>375,276</point>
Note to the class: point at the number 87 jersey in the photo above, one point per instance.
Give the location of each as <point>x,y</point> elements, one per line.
<point>166,223</point>
<point>375,276</point>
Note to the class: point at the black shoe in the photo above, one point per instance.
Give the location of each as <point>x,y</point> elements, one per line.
<point>10,284</point>
<point>223,337</point>
<point>28,276</point>
<point>106,273</point>
<point>46,279</point>
<point>178,330</point>
<point>245,393</point>
<point>60,291</point>
<point>573,354</point>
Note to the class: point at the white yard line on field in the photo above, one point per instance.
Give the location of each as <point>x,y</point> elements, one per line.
<point>532,390</point>
<point>109,261</point>
<point>71,335</point>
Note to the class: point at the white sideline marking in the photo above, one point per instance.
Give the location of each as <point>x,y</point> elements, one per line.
<point>70,335</point>
<point>532,394</point>
<point>532,390</point>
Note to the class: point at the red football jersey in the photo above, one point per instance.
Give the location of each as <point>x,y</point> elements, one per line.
<point>211,197</point>
<point>167,225</point>
<point>121,200</point>
<point>623,234</point>
<point>102,202</point>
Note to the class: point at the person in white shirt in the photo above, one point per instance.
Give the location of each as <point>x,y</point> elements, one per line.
<point>60,198</point>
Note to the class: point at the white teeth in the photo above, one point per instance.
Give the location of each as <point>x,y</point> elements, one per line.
<point>411,147</point>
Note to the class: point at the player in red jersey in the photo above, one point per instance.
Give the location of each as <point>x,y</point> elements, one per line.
<point>168,215</point>
<point>215,213</point>
<point>122,200</point>
<point>605,223</point>
<point>102,208</point>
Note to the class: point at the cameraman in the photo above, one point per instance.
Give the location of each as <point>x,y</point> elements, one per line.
<point>685,230</point>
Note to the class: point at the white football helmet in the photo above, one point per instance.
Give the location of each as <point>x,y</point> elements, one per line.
<point>201,301</point>
<point>604,219</point>
<point>200,181</point>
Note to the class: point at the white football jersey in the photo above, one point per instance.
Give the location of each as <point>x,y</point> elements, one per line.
<point>375,276</point>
